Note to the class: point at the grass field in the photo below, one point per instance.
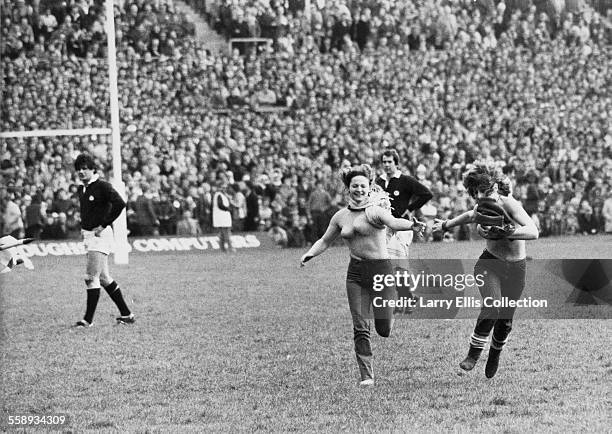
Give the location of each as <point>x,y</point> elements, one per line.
<point>249,342</point>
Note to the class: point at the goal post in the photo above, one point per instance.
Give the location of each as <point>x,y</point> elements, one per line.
<point>120,225</point>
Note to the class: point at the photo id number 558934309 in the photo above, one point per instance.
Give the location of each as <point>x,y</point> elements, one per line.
<point>58,420</point>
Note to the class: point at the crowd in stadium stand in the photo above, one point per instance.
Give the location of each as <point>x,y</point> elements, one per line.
<point>446,83</point>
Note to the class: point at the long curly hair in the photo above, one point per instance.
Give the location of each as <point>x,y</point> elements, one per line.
<point>481,177</point>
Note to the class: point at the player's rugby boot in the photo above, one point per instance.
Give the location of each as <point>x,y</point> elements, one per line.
<point>82,324</point>
<point>367,383</point>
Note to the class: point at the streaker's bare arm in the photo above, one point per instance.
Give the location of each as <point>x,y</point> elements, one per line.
<point>525,227</point>
<point>462,219</point>
<point>384,216</point>
<point>332,232</point>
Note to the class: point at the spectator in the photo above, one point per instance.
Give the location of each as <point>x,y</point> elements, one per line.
<point>73,225</point>
<point>278,234</point>
<point>187,225</point>
<point>362,28</point>
<point>55,227</point>
<point>61,226</point>
<point>296,234</point>
<point>13,222</point>
<point>238,206</point>
<point>265,96</point>
<point>252,208</point>
<point>48,231</point>
<point>265,214</point>
<point>340,28</point>
<point>222,216</point>
<point>586,219</point>
<point>165,210</point>
<point>319,203</point>
<point>532,196</point>
<point>47,23</point>
<point>61,202</point>
<point>35,214</point>
<point>204,207</point>
<point>145,218</point>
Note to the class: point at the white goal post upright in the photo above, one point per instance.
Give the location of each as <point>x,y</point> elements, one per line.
<point>120,225</point>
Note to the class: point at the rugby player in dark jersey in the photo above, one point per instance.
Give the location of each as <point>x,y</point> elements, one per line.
<point>100,205</point>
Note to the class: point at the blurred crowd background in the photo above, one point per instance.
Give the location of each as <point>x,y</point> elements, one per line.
<point>524,84</point>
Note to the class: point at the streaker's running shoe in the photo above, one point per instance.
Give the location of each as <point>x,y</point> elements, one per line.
<point>129,319</point>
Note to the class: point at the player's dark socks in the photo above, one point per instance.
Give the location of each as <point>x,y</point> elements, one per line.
<point>492,362</point>
<point>93,295</point>
<point>115,294</point>
<point>470,360</point>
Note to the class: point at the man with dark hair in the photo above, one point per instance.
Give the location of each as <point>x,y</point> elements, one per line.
<point>405,192</point>
<point>100,207</point>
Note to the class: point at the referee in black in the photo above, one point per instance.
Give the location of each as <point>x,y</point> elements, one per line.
<point>100,204</point>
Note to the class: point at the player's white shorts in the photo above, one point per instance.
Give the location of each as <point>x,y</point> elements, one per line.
<point>397,245</point>
<point>405,237</point>
<point>102,243</point>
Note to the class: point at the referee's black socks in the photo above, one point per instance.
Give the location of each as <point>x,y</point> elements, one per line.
<point>93,295</point>
<point>115,294</point>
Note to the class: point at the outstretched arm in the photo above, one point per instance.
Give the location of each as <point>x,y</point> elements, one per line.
<point>398,224</point>
<point>332,232</point>
<point>465,218</point>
